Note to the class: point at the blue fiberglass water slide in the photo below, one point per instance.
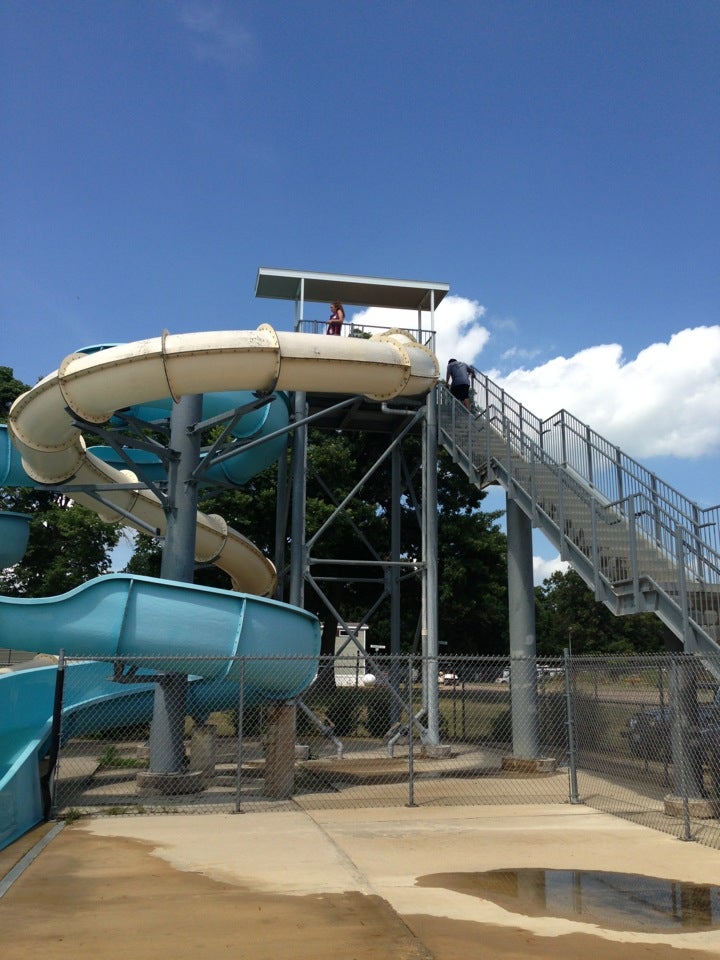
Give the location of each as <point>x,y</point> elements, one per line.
<point>254,424</point>
<point>128,616</point>
<point>124,616</point>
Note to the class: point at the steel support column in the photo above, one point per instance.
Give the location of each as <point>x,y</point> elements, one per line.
<point>430,570</point>
<point>280,763</point>
<point>298,558</point>
<point>281,520</point>
<point>167,750</point>
<point>521,609</point>
<point>394,577</point>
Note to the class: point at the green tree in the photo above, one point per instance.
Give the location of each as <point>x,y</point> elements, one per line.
<point>472,593</point>
<point>147,556</point>
<point>10,389</point>
<point>568,614</point>
<point>68,544</point>
<point>471,549</point>
<point>336,462</point>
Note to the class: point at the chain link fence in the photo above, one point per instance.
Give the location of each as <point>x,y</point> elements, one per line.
<point>635,737</point>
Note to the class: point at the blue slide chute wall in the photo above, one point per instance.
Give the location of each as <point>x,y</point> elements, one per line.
<point>125,617</point>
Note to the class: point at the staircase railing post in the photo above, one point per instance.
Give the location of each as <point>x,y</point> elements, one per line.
<point>589,452</point>
<point>632,533</point>
<point>595,546</point>
<point>619,473</point>
<point>682,585</point>
<point>561,515</point>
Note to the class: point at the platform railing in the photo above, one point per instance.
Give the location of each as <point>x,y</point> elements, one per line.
<point>365,330</point>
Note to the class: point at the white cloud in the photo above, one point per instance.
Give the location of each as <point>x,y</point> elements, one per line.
<point>216,35</point>
<point>459,332</point>
<point>542,568</point>
<point>518,354</point>
<point>665,401</point>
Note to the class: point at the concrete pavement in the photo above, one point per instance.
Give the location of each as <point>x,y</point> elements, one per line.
<point>386,851</point>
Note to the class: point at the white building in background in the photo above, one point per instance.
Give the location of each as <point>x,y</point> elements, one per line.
<point>350,656</point>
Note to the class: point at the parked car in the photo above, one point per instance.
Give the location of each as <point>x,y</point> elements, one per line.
<point>449,679</point>
<point>648,731</point>
<point>549,672</point>
<point>648,734</point>
<point>544,672</point>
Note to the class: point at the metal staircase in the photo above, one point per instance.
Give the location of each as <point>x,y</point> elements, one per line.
<point>638,543</point>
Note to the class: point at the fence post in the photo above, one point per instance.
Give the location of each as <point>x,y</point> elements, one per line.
<point>48,773</point>
<point>410,723</point>
<point>572,760</point>
<point>241,710</point>
<point>687,773</point>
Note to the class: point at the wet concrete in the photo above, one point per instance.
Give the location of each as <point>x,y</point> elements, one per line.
<point>619,901</point>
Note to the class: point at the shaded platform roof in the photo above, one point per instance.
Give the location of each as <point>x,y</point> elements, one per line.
<point>363,414</point>
<point>358,291</point>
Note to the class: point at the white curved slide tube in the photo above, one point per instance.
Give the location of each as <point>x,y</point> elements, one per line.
<point>93,386</point>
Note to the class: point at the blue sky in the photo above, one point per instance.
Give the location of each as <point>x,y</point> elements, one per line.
<point>557,163</point>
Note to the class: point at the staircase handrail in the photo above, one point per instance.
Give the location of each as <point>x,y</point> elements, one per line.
<point>601,465</point>
<point>664,561</point>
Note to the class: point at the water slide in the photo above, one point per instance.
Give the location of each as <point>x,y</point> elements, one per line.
<point>121,615</point>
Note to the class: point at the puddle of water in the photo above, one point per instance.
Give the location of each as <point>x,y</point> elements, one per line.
<point>618,901</point>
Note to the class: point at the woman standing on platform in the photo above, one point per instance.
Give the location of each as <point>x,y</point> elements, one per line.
<point>334,324</point>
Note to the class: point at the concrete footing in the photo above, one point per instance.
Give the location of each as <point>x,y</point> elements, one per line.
<point>436,750</point>
<point>203,750</point>
<point>528,765</point>
<point>191,781</point>
<point>699,808</point>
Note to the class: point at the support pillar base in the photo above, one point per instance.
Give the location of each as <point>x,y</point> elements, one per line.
<point>528,764</point>
<point>192,781</point>
<point>699,808</point>
<point>280,751</point>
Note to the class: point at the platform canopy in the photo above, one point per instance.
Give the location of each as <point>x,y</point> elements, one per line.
<point>356,291</point>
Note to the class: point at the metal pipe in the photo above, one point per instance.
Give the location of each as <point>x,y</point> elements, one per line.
<point>281,521</point>
<point>167,748</point>
<point>394,577</point>
<point>298,560</point>
<point>431,568</point>
<point>324,728</point>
